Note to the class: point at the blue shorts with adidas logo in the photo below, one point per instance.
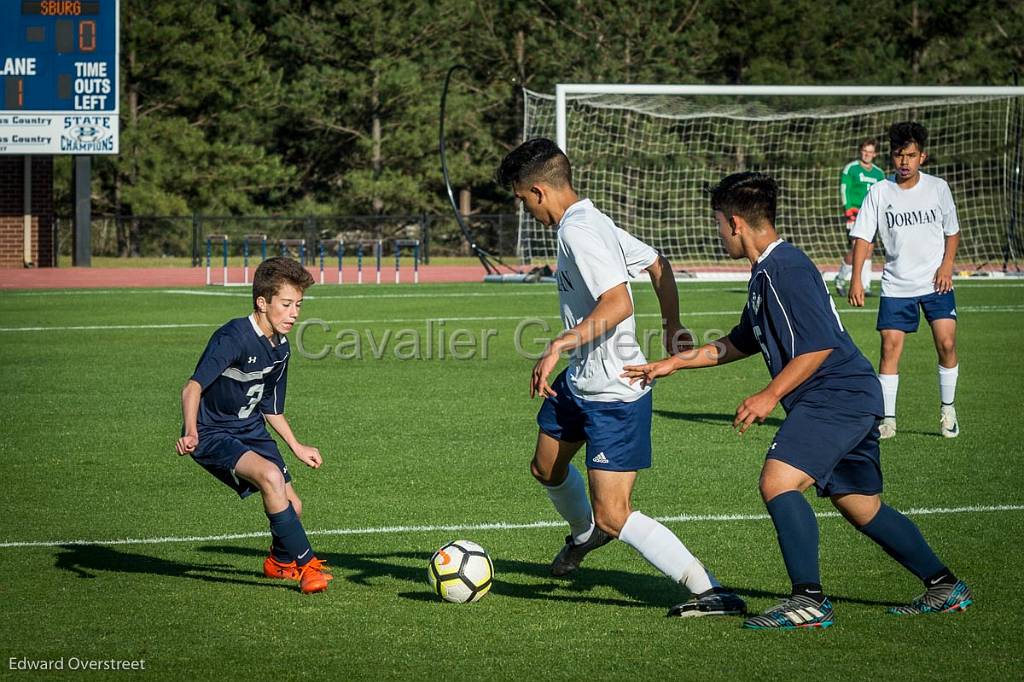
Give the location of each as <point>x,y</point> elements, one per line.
<point>902,313</point>
<point>618,434</point>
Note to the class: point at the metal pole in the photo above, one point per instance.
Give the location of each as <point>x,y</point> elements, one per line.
<point>209,258</point>
<point>27,213</point>
<point>80,183</point>
<point>380,252</point>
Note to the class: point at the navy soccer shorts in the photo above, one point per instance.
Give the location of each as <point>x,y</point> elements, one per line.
<point>218,452</point>
<point>838,448</point>
<point>902,313</point>
<point>618,434</point>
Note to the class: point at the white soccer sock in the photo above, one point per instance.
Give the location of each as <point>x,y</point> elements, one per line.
<point>665,552</point>
<point>947,383</point>
<point>890,384</point>
<point>844,271</point>
<point>865,274</point>
<point>571,501</point>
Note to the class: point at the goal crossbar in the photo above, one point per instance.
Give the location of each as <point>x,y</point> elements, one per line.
<point>564,90</point>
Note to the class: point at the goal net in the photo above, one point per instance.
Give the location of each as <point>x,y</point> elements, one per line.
<point>644,155</point>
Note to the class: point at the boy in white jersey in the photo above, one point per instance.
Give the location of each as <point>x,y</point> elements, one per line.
<point>916,218</point>
<point>590,402</point>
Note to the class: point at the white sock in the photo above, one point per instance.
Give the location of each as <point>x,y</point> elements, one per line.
<point>571,501</point>
<point>947,383</point>
<point>844,271</point>
<point>890,384</point>
<point>665,552</point>
<point>865,274</point>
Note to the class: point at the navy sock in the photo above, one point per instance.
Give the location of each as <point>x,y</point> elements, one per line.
<point>797,530</point>
<point>902,540</point>
<point>278,551</point>
<point>289,533</point>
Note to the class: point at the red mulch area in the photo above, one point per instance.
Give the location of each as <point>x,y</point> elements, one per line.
<point>110,278</point>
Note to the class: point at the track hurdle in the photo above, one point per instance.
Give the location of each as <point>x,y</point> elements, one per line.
<point>223,238</point>
<point>262,238</point>
<point>378,250</point>
<point>284,248</point>
<point>413,244</point>
<point>326,244</point>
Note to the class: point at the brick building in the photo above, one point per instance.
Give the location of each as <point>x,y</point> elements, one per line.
<point>12,212</point>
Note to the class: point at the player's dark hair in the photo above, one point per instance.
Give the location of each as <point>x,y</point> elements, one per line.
<point>750,195</point>
<point>536,160</point>
<point>868,141</point>
<point>274,273</point>
<point>905,132</point>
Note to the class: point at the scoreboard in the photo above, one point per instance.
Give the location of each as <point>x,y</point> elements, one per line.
<point>59,76</point>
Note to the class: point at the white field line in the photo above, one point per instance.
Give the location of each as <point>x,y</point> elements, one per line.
<point>688,286</point>
<point>481,318</point>
<point>458,528</point>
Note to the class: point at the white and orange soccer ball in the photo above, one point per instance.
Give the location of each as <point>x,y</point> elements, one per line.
<point>461,572</point>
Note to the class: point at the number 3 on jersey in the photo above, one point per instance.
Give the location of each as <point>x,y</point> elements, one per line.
<point>255,394</point>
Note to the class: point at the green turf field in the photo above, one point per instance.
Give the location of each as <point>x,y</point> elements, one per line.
<point>420,452</point>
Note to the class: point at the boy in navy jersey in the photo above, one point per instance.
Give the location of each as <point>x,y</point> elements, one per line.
<point>833,405</point>
<point>236,389</point>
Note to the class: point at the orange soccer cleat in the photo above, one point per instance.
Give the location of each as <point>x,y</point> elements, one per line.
<point>272,568</point>
<point>313,577</point>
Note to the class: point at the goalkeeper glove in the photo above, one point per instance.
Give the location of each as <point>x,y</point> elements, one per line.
<point>851,215</point>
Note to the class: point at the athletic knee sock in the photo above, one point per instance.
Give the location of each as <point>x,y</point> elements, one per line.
<point>288,531</point>
<point>947,383</point>
<point>844,272</point>
<point>278,550</point>
<point>571,502</point>
<point>890,385</point>
<point>797,530</point>
<point>865,274</point>
<point>666,552</point>
<point>901,539</point>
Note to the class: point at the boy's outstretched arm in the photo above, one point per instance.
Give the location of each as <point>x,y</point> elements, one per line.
<point>758,406</point>
<point>306,454</point>
<point>709,355</point>
<point>190,395</point>
<point>677,337</point>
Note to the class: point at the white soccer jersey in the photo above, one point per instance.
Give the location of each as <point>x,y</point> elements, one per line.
<point>594,255</point>
<point>913,225</point>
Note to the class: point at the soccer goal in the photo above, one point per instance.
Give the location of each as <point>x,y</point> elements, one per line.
<point>644,154</point>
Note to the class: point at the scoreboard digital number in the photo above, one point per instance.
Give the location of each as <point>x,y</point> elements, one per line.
<point>59,71</point>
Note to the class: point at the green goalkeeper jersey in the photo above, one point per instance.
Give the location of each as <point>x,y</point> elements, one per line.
<point>855,182</point>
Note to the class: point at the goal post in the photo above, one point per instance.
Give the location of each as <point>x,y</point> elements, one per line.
<point>644,153</point>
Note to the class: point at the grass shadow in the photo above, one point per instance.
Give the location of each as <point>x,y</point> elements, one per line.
<point>641,590</point>
<point>709,417</point>
<point>86,561</point>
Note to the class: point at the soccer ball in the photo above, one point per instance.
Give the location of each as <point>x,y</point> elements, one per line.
<point>460,572</point>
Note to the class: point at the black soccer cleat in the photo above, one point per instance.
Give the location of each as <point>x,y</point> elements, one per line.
<point>798,611</point>
<point>571,555</point>
<point>938,599</point>
<point>717,601</point>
